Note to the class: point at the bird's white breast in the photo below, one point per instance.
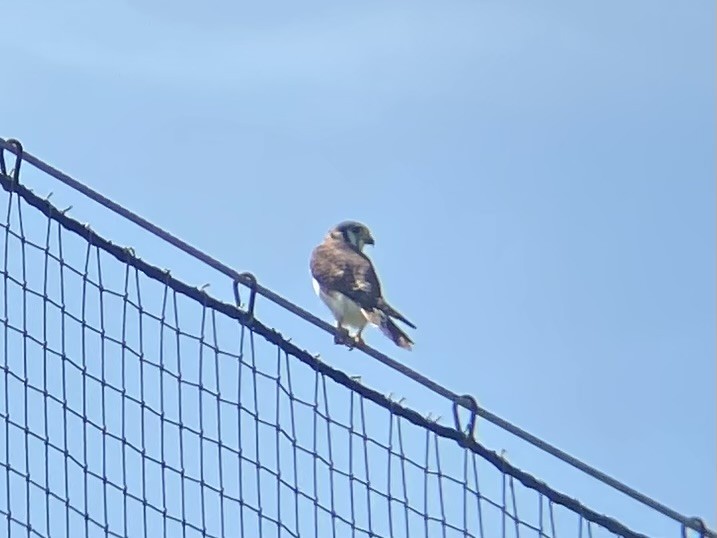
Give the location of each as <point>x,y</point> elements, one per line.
<point>344,309</point>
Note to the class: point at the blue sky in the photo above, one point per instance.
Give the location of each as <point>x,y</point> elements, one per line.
<point>539,178</point>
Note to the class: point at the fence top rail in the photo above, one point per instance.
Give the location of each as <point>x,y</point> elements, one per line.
<point>247,279</point>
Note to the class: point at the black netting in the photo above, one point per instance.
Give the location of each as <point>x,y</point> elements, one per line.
<point>133,405</point>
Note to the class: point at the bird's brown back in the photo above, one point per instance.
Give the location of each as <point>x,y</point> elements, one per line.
<point>337,266</point>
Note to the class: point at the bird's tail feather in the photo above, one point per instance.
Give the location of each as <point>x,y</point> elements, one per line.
<point>394,332</point>
<point>395,314</point>
<point>389,328</point>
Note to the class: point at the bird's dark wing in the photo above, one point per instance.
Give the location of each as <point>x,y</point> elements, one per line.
<point>336,266</point>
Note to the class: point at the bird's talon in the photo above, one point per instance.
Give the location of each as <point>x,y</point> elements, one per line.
<point>342,337</point>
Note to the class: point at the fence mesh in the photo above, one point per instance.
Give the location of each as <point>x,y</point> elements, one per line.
<point>133,405</point>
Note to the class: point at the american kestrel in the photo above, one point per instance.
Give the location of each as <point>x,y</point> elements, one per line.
<point>344,279</point>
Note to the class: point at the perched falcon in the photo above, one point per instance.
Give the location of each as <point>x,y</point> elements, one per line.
<point>344,279</point>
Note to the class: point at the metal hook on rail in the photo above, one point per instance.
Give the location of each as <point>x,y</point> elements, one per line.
<point>18,157</point>
<point>698,525</point>
<point>472,406</point>
<point>252,293</point>
<point>15,172</point>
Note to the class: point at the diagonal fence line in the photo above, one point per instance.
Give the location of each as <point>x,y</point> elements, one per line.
<point>245,279</point>
<point>126,256</point>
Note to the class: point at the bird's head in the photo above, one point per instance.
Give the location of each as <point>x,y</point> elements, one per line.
<point>354,233</point>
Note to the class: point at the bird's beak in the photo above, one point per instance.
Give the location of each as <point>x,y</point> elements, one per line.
<point>369,240</point>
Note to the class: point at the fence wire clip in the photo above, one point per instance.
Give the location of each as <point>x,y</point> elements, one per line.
<point>15,172</point>
<point>472,405</point>
<point>431,418</point>
<point>252,285</point>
